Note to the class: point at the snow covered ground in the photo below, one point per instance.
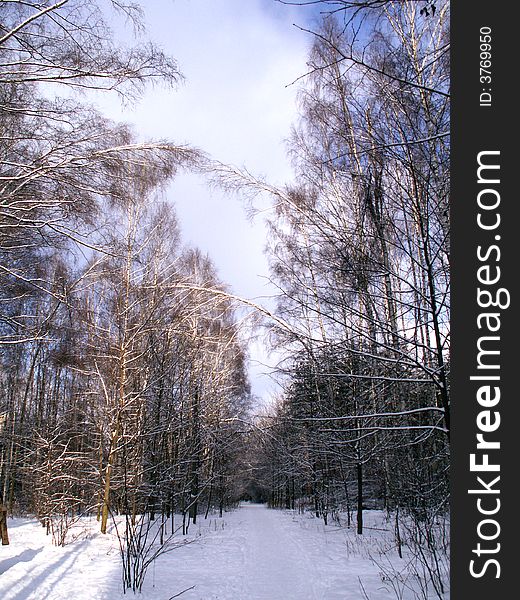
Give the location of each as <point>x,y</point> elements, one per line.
<point>252,553</point>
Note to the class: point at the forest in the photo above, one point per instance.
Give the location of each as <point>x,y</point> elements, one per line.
<point>125,393</point>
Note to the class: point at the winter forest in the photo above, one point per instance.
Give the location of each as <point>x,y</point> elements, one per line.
<point>136,454</point>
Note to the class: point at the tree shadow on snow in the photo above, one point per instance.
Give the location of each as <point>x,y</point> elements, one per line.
<point>25,556</point>
<point>48,577</point>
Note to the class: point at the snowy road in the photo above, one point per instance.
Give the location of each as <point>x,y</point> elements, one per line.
<point>252,553</point>
<point>276,565</point>
<point>264,554</point>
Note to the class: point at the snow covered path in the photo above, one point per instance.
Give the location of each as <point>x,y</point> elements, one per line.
<point>276,564</point>
<point>252,553</point>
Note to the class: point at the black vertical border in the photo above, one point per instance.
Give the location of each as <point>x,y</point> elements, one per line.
<point>474,129</point>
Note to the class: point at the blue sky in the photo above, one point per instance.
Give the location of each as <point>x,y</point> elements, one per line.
<point>238,57</point>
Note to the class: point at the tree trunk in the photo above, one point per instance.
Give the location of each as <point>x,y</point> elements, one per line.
<point>359,470</point>
<point>3,525</point>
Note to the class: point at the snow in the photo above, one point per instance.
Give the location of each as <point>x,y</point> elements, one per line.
<point>252,553</point>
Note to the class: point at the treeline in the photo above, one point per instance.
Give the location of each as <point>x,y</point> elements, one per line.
<point>360,253</point>
<point>122,368</point>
